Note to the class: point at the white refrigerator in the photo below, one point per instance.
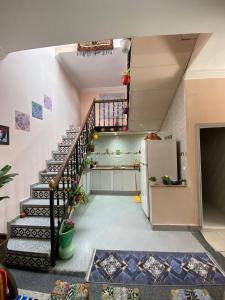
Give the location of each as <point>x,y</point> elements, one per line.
<point>158,158</point>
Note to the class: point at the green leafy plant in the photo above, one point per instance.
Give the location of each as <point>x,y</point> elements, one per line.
<point>78,196</point>
<point>5,178</point>
<point>153,179</point>
<point>166,179</point>
<point>68,225</point>
<point>87,161</point>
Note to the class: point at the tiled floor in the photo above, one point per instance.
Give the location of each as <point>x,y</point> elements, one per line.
<point>118,223</point>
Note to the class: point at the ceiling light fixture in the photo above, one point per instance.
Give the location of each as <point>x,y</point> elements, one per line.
<point>125,44</point>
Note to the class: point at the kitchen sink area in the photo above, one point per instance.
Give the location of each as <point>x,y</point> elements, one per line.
<point>123,167</point>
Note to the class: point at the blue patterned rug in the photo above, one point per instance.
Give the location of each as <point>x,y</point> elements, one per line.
<point>156,268</point>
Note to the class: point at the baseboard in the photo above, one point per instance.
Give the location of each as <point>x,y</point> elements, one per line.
<point>175,227</point>
<point>118,193</point>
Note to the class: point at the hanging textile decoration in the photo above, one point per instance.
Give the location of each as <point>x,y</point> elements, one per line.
<point>93,48</point>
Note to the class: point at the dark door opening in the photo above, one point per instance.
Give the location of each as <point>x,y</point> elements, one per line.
<point>212,147</point>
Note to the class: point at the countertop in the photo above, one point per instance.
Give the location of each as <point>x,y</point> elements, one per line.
<point>124,167</point>
<point>168,185</point>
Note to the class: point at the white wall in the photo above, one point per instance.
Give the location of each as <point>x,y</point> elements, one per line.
<point>175,124</point>
<point>25,77</point>
<point>124,143</point>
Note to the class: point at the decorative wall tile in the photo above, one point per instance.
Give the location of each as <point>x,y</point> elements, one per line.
<point>47,102</point>
<point>37,111</point>
<point>22,121</point>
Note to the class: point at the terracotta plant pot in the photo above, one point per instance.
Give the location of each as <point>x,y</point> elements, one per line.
<point>126,79</point>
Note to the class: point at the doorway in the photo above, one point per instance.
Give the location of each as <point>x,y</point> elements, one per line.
<point>212,149</point>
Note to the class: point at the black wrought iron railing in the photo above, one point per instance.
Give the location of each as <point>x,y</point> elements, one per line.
<point>111,115</point>
<point>68,177</point>
<point>103,115</point>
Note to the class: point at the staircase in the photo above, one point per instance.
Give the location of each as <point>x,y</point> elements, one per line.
<point>29,244</point>
<point>33,239</point>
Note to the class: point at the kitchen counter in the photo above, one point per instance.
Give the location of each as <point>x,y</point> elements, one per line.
<point>168,185</point>
<point>128,167</point>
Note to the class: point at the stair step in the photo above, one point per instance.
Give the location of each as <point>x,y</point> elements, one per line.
<point>72,134</point>
<point>39,202</point>
<point>32,221</point>
<point>63,148</point>
<point>42,247</point>
<point>73,129</point>
<point>43,193</point>
<point>53,165</point>
<point>28,253</point>
<point>59,156</point>
<point>31,227</point>
<point>41,207</point>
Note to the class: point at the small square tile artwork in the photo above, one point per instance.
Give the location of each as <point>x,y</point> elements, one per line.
<point>37,111</point>
<point>22,121</point>
<point>47,102</point>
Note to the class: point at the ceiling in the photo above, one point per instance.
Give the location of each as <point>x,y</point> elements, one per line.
<point>28,24</point>
<point>94,71</point>
<point>157,66</point>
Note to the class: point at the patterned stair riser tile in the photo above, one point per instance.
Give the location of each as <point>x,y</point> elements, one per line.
<point>71,134</point>
<point>30,261</point>
<point>60,157</point>
<point>29,232</point>
<point>42,211</point>
<point>45,178</point>
<point>68,141</point>
<point>44,194</point>
<point>64,148</point>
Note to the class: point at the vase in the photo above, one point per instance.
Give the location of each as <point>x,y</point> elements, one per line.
<point>66,248</point>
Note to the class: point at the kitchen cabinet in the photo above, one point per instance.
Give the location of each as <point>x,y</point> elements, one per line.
<point>102,180</point>
<point>115,180</point>
<point>124,180</point>
<point>138,180</point>
<point>85,181</point>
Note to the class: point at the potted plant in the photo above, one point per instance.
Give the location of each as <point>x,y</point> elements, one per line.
<point>183,181</point>
<point>126,77</point>
<point>152,180</point>
<point>5,178</point>
<point>166,180</point>
<point>66,248</point>
<point>87,162</point>
<point>78,196</point>
<point>91,147</point>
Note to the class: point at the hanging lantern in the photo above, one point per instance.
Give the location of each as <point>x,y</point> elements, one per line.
<point>95,136</point>
<point>125,44</point>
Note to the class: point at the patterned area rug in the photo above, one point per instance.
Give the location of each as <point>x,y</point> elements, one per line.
<point>197,294</point>
<point>70,291</point>
<point>157,268</point>
<point>119,293</point>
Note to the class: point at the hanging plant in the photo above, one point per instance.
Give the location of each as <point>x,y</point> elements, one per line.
<point>126,77</point>
<point>78,196</point>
